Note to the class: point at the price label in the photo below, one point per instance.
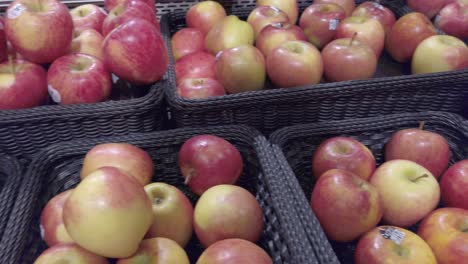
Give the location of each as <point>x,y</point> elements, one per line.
<point>15,11</point>
<point>333,24</point>
<point>393,234</point>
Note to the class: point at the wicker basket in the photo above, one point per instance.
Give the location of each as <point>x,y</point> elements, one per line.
<point>10,179</point>
<point>294,146</point>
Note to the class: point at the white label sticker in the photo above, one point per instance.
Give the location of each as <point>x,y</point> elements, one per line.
<point>378,6</point>
<point>114,78</point>
<point>41,228</point>
<point>16,11</point>
<point>54,94</point>
<point>333,24</point>
<point>393,234</point>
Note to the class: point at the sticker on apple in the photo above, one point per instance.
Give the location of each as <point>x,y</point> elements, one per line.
<point>16,11</point>
<point>393,234</point>
<point>333,24</point>
<point>54,94</point>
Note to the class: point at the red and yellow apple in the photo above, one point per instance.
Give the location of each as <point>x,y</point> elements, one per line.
<point>290,7</point>
<point>200,88</point>
<point>262,16</point>
<point>187,41</point>
<point>369,31</point>
<point>69,253</point>
<point>272,36</point>
<point>110,4</point>
<point>348,5</point>
<point>229,33</point>
<point>205,15</point>
<point>87,41</point>
<point>157,250</point>
<point>199,64</point>
<point>88,16</point>
<point>234,251</point>
<point>454,184</point>
<point>453,19</point>
<point>374,10</point>
<point>52,228</point>
<point>428,8</point>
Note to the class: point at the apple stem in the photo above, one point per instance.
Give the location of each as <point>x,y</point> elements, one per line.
<point>12,65</point>
<point>352,39</point>
<point>421,125</point>
<point>187,179</point>
<point>420,177</point>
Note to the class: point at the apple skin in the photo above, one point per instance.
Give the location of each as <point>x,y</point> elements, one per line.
<point>234,251</point>
<point>126,157</point>
<point>200,88</point>
<point>299,57</point>
<point>347,59</point>
<point>343,153</point>
<point>263,16</point>
<point>88,16</point>
<point>136,52</point>
<point>272,36</point>
<point>241,69</point>
<point>426,148</point>
<point>290,7</point>
<point>30,33</point>
<point>205,15</point>
<point>369,31</point>
<point>79,78</point>
<point>110,4</point>
<point>52,226</point>
<point>408,190</point>
<point>227,211</point>
<point>348,5</point>
<point>199,64</point>
<point>172,213</point>
<point>87,41</point>
<point>207,160</point>
<point>409,29</point>
<point>454,184</point>
<point>229,33</point>
<point>374,10</point>
<point>22,85</point>
<point>346,205</point>
<point>453,20</point>
<point>3,42</point>
<point>317,22</point>
<point>157,250</point>
<point>428,8</point>
<point>69,253</point>
<point>374,248</point>
<point>187,41</point>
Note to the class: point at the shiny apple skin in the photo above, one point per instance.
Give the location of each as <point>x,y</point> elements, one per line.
<point>274,35</point>
<point>290,7</point>
<point>454,184</point>
<point>52,225</point>
<point>378,12</point>
<point>69,253</point>
<point>453,19</point>
<point>187,41</point>
<point>263,16</point>
<point>369,31</point>
<point>199,64</point>
<point>428,8</point>
<point>205,15</point>
<point>92,19</point>
<point>234,251</point>
<point>348,5</point>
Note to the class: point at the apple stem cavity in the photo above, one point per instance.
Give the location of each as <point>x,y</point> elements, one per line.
<point>421,125</point>
<point>353,38</point>
<point>420,177</point>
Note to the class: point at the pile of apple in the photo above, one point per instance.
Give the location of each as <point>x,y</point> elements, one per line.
<point>116,213</point>
<point>355,201</point>
<point>218,54</point>
<point>75,55</point>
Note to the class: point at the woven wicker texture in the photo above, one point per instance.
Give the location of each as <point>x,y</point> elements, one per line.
<point>10,179</point>
<point>294,147</point>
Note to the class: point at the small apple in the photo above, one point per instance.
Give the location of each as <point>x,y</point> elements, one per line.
<point>229,33</point>
<point>205,15</point>
<point>87,41</point>
<point>374,10</point>
<point>187,41</point>
<point>348,5</point>
<point>207,160</point>
<point>369,31</point>
<point>263,16</point>
<point>69,253</point>
<point>52,228</point>
<point>110,4</point>
<point>272,36</point>
<point>88,16</point>
<point>299,57</point>
<point>234,251</point>
<point>157,250</point>
<point>453,19</point>
<point>454,184</point>
<point>200,88</point>
<point>290,7</point>
<point>428,8</point>
<point>199,64</point>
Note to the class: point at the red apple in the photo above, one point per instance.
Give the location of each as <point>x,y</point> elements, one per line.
<point>199,64</point>
<point>454,184</point>
<point>320,21</point>
<point>348,5</point>
<point>205,15</point>
<point>208,160</point>
<point>110,4</point>
<point>276,34</point>
<point>241,69</point>
<point>346,205</point>
<point>88,16</point>
<point>187,41</point>
<point>374,10</point>
<point>406,34</point>
<point>52,227</point>
<point>453,19</point>
<point>78,78</point>
<point>229,33</point>
<point>157,250</point>
<point>343,153</point>
<point>290,7</point>
<point>446,232</point>
<point>22,85</point>
<point>200,88</point>
<point>69,253</point>
<point>126,157</point>
<point>41,30</point>
<point>299,57</point>
<point>263,16</point>
<point>428,8</point>
<point>227,211</point>
<point>426,148</point>
<point>234,251</point>
<point>3,42</point>
<point>136,52</point>
<point>369,31</point>
<point>87,41</point>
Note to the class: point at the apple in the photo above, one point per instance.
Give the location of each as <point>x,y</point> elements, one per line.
<point>406,34</point>
<point>290,7</point>
<point>199,64</point>
<point>88,16</point>
<point>69,253</point>
<point>172,213</point>
<point>208,160</point>
<point>262,16</point>
<point>428,8</point>
<point>346,205</point>
<point>87,41</point>
<point>228,33</point>
<point>227,211</point>
<point>128,158</point>
<point>205,15</point>
<point>187,41</point>
<point>241,69</point>
<point>157,250</point>
<point>453,19</point>
<point>426,148</point>
<point>454,184</point>
<point>3,42</point>
<point>108,213</point>
<point>374,10</point>
<point>52,228</point>
<point>391,244</point>
<point>343,153</point>
<point>299,57</point>
<point>446,232</point>
<point>319,22</point>
<point>369,31</point>
<point>40,30</point>
<point>136,52</point>
<point>22,85</point>
<point>348,5</point>
<point>408,190</point>
<point>12,53</point>
<point>110,4</point>
<point>348,59</point>
<point>200,88</point>
<point>276,34</point>
<point>77,79</point>
<point>234,251</point>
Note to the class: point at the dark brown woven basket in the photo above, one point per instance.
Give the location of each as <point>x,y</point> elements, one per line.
<point>10,179</point>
